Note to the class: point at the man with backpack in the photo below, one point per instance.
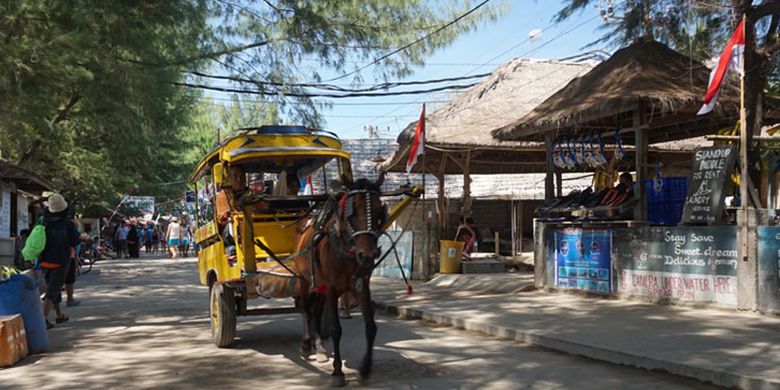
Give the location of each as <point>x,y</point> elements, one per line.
<point>58,253</point>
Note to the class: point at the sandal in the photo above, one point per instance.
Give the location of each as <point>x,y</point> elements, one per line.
<point>72,303</point>
<point>49,325</point>
<point>62,319</point>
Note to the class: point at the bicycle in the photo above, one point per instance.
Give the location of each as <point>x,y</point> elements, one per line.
<point>85,259</point>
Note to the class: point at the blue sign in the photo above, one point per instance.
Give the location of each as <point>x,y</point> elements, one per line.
<point>769,268</point>
<point>583,260</point>
<point>405,249</point>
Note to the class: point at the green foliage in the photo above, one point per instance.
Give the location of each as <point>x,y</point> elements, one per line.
<point>80,112</point>
<point>691,28</point>
<point>284,33</point>
<point>88,85</point>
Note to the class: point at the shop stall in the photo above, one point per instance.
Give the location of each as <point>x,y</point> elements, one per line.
<point>654,233</point>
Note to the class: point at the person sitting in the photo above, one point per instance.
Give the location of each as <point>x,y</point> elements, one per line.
<point>467,234</point>
<point>288,186</point>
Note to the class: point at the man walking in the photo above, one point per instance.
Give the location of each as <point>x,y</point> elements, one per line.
<point>173,237</point>
<point>121,239</point>
<point>57,255</point>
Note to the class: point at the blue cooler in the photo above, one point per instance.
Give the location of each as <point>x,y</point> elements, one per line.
<point>19,295</point>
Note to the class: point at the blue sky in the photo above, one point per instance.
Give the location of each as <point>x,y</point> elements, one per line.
<point>479,51</point>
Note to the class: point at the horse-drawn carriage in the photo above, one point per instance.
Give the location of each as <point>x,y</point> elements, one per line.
<point>261,235</point>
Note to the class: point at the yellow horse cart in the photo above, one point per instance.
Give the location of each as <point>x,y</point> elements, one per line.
<point>293,170</point>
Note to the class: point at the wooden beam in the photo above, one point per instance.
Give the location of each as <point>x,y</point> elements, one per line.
<point>441,200</point>
<point>458,163</point>
<point>640,213</point>
<point>467,185</point>
<point>549,185</point>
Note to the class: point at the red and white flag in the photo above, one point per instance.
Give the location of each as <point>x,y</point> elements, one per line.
<point>308,189</point>
<point>418,143</point>
<point>732,57</point>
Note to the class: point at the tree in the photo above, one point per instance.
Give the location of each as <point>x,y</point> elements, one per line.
<point>702,30</point>
<point>273,41</point>
<point>78,111</point>
<point>90,91</point>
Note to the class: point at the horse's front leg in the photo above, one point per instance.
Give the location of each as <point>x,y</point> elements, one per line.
<point>367,310</point>
<point>304,303</point>
<point>319,305</point>
<point>335,334</point>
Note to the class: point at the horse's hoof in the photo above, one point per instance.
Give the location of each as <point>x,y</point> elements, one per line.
<point>338,381</point>
<point>322,358</point>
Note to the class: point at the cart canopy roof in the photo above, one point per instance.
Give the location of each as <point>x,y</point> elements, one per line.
<point>274,149</point>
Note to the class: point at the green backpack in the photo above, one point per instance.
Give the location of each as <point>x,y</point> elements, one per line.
<point>35,243</point>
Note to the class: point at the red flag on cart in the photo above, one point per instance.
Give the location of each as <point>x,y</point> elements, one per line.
<point>732,57</point>
<point>418,143</point>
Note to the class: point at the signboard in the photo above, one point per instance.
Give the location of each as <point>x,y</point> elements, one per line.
<point>22,214</point>
<point>583,260</point>
<point>769,268</point>
<point>142,204</point>
<point>189,196</point>
<point>405,248</point>
<point>697,264</point>
<point>5,211</point>
<point>711,167</point>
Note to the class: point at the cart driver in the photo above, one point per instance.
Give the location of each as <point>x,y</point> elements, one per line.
<point>225,205</point>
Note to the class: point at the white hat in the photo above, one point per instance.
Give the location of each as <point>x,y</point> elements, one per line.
<point>56,203</point>
<point>174,219</point>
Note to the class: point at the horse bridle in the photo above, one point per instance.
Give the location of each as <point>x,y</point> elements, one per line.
<point>348,210</point>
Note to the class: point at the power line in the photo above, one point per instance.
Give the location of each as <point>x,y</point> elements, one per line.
<point>323,95</point>
<point>330,103</point>
<point>333,87</point>
<point>373,116</point>
<point>507,51</point>
<point>408,45</point>
<point>314,60</point>
<point>538,47</point>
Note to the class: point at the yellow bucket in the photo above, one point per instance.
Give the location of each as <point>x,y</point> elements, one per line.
<point>449,256</point>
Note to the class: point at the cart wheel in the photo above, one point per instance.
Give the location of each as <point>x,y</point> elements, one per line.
<point>223,315</point>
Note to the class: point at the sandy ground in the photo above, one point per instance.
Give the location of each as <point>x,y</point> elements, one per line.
<point>143,323</point>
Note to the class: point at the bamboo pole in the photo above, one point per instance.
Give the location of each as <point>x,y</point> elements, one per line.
<point>744,196</point>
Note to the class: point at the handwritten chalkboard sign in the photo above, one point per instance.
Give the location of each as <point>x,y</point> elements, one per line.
<point>711,167</point>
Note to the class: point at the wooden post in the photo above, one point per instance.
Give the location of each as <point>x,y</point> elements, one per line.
<point>442,201</point>
<point>744,145</point>
<point>559,182</point>
<point>467,185</point>
<point>772,185</point>
<point>513,223</point>
<point>519,215</point>
<point>549,184</point>
<point>640,212</point>
<point>497,243</point>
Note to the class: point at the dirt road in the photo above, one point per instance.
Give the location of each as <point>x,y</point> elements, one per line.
<point>143,323</point>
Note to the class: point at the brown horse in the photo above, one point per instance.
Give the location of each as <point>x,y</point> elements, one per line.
<point>343,248</point>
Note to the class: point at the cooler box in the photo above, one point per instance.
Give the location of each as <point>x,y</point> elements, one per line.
<point>449,256</point>
<point>19,295</point>
<point>13,340</point>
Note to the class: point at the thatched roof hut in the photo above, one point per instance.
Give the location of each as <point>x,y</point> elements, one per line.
<point>668,85</point>
<point>24,179</point>
<point>513,90</point>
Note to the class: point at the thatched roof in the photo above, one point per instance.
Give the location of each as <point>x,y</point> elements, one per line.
<point>668,84</point>
<point>513,90</point>
<point>24,179</point>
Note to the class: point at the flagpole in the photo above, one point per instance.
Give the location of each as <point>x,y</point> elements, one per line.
<point>744,196</point>
<point>424,207</point>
